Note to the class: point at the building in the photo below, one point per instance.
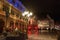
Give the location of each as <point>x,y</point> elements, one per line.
<point>43,23</point>
<point>48,23</point>
<point>11,15</point>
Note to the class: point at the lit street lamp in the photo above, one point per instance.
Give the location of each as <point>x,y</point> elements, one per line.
<point>31,13</point>
<point>27,13</point>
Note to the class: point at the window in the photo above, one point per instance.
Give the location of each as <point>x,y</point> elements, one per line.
<point>17,15</point>
<point>6,9</point>
<point>12,12</point>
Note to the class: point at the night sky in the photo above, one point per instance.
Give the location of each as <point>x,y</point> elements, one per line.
<point>43,7</point>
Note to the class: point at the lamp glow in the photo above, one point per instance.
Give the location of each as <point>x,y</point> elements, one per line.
<point>30,13</point>
<point>26,12</point>
<point>23,14</point>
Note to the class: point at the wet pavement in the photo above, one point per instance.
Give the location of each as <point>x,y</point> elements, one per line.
<point>43,36</point>
<point>40,36</point>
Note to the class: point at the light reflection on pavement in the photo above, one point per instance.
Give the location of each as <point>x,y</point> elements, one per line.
<point>42,37</point>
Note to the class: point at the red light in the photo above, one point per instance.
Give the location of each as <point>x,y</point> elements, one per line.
<point>29,27</point>
<point>29,32</point>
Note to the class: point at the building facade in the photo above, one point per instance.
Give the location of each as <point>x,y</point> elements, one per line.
<point>11,16</point>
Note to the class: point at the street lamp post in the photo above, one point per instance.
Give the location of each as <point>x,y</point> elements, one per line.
<point>26,15</point>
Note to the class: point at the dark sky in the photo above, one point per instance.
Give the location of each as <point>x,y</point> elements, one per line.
<point>43,7</point>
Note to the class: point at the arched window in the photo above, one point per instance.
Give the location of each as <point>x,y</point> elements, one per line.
<point>11,24</point>
<point>16,24</point>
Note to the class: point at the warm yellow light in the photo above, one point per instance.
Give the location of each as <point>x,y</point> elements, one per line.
<point>30,13</point>
<point>10,9</point>
<point>16,29</point>
<point>26,12</point>
<point>23,14</point>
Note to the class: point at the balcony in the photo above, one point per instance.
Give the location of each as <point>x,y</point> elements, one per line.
<point>2,13</point>
<point>13,17</point>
